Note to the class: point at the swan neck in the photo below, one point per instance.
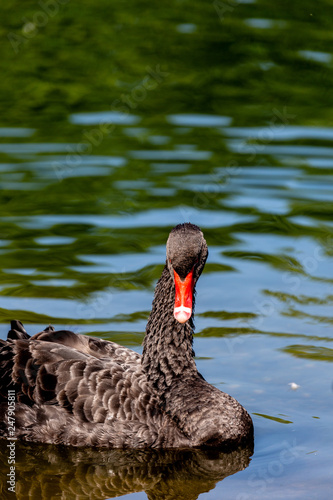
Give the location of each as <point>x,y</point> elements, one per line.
<point>167,352</point>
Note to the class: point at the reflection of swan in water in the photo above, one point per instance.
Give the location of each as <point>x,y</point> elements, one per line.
<point>50,472</point>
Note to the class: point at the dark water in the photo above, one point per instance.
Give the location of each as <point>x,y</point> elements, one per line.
<point>119,121</point>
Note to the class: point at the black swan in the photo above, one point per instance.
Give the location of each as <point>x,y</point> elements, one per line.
<point>77,390</point>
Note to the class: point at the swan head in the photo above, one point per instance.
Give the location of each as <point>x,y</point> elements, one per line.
<point>186,256</point>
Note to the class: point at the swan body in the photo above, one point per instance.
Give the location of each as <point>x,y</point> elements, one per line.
<point>77,390</point>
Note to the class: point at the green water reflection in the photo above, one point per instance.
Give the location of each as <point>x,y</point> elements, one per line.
<point>239,57</point>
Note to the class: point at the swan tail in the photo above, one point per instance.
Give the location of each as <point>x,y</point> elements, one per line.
<point>17,331</point>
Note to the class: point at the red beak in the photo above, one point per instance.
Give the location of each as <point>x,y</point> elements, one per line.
<point>184,296</point>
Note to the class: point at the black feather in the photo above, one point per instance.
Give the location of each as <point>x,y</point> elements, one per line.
<point>81,391</point>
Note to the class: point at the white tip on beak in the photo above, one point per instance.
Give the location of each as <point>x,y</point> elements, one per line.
<point>182,313</point>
